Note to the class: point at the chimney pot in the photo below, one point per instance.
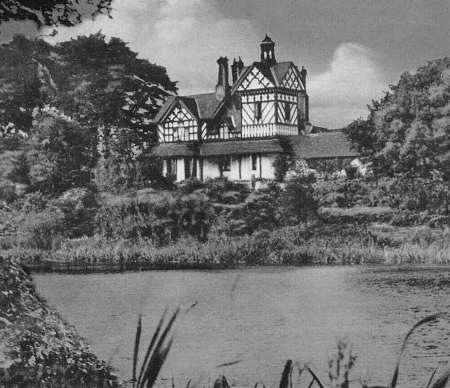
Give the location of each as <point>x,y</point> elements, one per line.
<point>223,86</point>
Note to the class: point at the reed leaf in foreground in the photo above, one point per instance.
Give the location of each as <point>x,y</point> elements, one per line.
<point>285,376</point>
<point>136,348</point>
<point>430,318</point>
<point>431,378</point>
<point>442,381</point>
<point>156,353</point>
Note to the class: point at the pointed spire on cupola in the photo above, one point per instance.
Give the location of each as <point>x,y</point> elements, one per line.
<point>268,51</point>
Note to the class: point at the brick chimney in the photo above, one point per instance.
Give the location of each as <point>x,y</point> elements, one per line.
<point>222,87</point>
<point>303,73</point>
<point>234,70</point>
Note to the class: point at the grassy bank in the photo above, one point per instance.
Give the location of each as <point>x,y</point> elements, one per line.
<point>316,244</point>
<point>37,348</point>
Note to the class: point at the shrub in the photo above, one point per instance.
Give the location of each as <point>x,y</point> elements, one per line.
<point>297,200</point>
<point>7,191</point>
<point>162,217</point>
<point>41,230</point>
<point>79,207</point>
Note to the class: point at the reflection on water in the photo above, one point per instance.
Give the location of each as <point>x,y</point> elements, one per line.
<point>254,319</point>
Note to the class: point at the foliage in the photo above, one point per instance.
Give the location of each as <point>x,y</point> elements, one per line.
<point>408,130</point>
<point>79,207</point>
<point>61,154</point>
<point>37,347</point>
<point>297,200</point>
<point>62,104</point>
<point>161,217</point>
<point>52,12</point>
<point>41,230</point>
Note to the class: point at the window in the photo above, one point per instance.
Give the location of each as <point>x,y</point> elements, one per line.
<point>177,132</point>
<point>254,162</point>
<point>171,167</point>
<point>287,111</point>
<point>258,111</point>
<point>187,168</point>
<point>226,163</point>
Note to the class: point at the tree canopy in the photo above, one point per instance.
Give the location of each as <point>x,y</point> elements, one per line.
<point>62,106</point>
<point>408,130</point>
<point>52,12</point>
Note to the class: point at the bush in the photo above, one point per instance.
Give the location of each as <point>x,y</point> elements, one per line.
<point>38,347</point>
<point>79,207</point>
<point>161,217</point>
<point>41,230</point>
<point>7,191</point>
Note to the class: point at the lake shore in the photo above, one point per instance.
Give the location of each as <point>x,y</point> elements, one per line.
<point>342,244</point>
<point>37,345</point>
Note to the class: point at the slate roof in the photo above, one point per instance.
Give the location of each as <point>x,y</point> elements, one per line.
<point>164,108</point>
<point>324,145</point>
<point>167,150</point>
<point>280,69</point>
<point>202,106</point>
<point>206,104</point>
<point>241,147</point>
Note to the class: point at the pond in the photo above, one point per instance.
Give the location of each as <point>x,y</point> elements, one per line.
<point>255,319</point>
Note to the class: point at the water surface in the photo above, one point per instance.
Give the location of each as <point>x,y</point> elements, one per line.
<point>258,318</point>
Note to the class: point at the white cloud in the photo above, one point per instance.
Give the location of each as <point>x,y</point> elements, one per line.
<point>341,94</point>
<point>185,36</point>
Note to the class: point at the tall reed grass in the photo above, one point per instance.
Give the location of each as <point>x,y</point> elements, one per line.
<point>298,245</point>
<point>294,374</point>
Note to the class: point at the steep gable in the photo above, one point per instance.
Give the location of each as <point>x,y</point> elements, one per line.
<point>255,79</point>
<point>291,79</point>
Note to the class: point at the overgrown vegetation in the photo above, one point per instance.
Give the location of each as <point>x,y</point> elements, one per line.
<point>39,349</point>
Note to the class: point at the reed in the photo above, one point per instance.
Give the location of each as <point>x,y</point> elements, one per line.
<point>158,349</point>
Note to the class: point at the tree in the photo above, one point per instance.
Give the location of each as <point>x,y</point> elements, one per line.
<point>52,12</point>
<point>26,83</point>
<point>297,200</point>
<point>408,130</point>
<point>61,154</point>
<point>72,95</point>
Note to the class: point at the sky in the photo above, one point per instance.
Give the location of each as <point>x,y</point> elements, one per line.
<point>352,49</point>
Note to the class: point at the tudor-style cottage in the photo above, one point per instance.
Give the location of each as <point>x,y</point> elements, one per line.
<point>235,131</point>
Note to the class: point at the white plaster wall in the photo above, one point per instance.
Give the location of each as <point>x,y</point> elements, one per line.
<point>268,171</point>
<point>180,169</point>
<point>264,168</point>
<point>210,169</point>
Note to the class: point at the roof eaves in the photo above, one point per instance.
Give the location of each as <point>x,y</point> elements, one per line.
<point>165,108</point>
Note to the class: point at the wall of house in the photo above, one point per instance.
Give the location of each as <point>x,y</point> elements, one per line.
<point>264,168</point>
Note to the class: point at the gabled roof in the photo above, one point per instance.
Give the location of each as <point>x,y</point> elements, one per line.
<point>279,70</point>
<point>324,145</point>
<point>202,106</point>
<point>206,104</point>
<point>170,101</point>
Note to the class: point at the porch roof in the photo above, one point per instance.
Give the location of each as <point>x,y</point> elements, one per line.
<point>241,147</point>
<point>167,150</point>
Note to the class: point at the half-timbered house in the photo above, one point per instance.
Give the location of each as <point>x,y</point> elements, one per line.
<point>236,131</point>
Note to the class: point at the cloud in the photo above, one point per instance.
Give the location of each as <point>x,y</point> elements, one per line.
<point>341,93</point>
<point>185,36</point>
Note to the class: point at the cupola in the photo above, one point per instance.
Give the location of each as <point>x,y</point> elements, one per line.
<point>268,51</point>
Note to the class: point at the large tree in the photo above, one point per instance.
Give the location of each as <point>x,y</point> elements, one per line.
<point>408,131</point>
<point>52,12</point>
<point>95,89</point>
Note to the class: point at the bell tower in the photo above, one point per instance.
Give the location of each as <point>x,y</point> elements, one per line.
<point>268,51</point>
